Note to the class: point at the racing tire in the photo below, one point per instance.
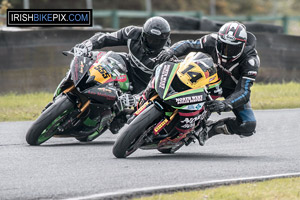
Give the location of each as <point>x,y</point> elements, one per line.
<point>166,151</point>
<point>48,120</point>
<point>133,132</point>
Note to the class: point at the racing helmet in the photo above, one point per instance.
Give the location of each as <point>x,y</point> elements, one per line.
<point>156,32</point>
<point>231,41</point>
<point>197,70</point>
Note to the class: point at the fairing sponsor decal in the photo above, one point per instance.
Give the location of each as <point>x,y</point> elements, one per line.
<point>163,77</point>
<point>190,99</point>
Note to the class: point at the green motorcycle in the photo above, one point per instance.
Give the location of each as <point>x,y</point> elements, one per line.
<point>185,85</point>
<point>87,100</point>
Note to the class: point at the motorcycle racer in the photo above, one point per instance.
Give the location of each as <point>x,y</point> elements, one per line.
<point>144,44</point>
<point>233,51</point>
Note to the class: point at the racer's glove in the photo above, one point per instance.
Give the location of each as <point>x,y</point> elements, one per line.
<point>128,100</point>
<point>165,55</point>
<point>83,49</point>
<point>218,106</point>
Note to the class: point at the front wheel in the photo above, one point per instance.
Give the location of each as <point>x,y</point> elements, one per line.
<point>129,139</point>
<point>46,125</point>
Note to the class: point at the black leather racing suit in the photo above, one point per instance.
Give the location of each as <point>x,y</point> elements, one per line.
<point>139,60</point>
<point>237,78</point>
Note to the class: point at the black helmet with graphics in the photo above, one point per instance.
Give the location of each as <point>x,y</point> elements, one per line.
<point>231,41</point>
<point>156,32</point>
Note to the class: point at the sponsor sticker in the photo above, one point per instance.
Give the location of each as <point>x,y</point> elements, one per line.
<point>105,90</point>
<point>195,106</point>
<point>191,99</point>
<point>81,67</point>
<point>142,108</point>
<point>163,77</point>
<point>105,95</point>
<point>160,126</point>
<point>211,79</point>
<point>188,121</point>
<point>252,73</point>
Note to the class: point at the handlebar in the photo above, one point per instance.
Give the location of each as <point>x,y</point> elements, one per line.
<point>71,52</point>
<point>172,59</point>
<point>66,53</point>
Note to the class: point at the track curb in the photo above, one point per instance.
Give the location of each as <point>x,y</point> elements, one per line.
<point>131,193</point>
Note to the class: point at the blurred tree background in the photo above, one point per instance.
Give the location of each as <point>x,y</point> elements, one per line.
<point>221,7</point>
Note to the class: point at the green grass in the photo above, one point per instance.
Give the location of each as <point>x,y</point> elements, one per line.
<point>277,189</point>
<point>275,96</point>
<point>16,107</point>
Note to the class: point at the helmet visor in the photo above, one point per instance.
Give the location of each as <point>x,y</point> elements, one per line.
<point>156,41</point>
<point>229,50</point>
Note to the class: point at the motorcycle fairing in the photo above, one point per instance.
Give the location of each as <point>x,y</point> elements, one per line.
<point>196,73</point>
<point>164,77</point>
<point>124,85</point>
<point>185,98</point>
<point>215,89</point>
<point>99,73</point>
<point>65,82</point>
<point>101,94</point>
<point>79,66</point>
<point>165,82</point>
<point>103,75</point>
<point>164,74</point>
<point>197,106</point>
<point>192,98</point>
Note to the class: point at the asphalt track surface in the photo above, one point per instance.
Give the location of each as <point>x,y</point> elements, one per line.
<point>65,168</point>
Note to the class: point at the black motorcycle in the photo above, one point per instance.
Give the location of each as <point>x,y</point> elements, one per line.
<point>87,102</point>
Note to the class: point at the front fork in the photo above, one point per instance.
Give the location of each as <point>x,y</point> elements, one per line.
<point>169,116</point>
<point>82,107</point>
<point>145,105</point>
<point>65,82</point>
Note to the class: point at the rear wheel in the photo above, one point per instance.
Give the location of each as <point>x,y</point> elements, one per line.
<point>46,125</point>
<point>132,137</point>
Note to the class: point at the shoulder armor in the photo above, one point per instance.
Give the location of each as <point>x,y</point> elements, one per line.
<point>214,35</point>
<point>132,31</point>
<point>209,40</point>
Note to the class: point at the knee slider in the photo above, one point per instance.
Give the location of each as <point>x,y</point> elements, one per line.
<point>221,127</point>
<point>247,128</point>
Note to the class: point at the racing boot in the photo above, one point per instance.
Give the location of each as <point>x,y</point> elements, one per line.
<point>215,128</point>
